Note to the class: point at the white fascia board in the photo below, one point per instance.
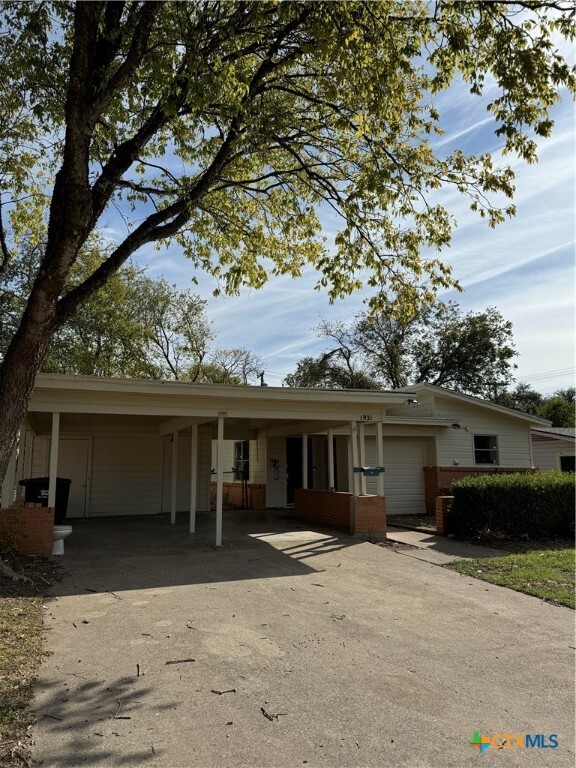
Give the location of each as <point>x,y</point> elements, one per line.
<point>477,401</point>
<point>231,392</point>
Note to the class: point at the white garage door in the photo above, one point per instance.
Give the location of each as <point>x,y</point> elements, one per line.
<point>404,475</point>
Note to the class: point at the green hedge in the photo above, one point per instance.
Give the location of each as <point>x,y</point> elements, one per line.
<point>536,504</point>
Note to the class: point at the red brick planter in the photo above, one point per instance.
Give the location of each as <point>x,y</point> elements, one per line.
<point>29,530</point>
<point>356,514</point>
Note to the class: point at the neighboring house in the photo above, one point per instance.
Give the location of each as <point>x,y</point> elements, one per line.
<point>143,447</point>
<point>553,448</point>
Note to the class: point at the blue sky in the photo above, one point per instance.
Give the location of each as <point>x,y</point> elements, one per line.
<point>524,267</point>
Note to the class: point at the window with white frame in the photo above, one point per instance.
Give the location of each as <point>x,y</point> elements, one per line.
<point>486,449</point>
<point>241,460</point>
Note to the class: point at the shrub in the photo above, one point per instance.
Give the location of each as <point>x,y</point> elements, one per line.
<point>537,504</point>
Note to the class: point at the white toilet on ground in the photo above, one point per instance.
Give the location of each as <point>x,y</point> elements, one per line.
<point>61,532</point>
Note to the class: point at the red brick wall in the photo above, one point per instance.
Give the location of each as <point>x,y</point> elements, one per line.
<point>257,496</point>
<point>360,514</point>
<point>369,514</point>
<point>233,495</point>
<point>324,507</point>
<point>29,530</point>
<point>438,480</point>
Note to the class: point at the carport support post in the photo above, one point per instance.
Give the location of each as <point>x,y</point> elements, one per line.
<point>193,476</point>
<point>19,468</point>
<point>304,461</point>
<point>173,488</point>
<point>330,438</point>
<point>53,470</point>
<point>220,480</point>
<point>380,454</point>
<point>362,457</point>
<point>8,485</point>
<point>354,441</point>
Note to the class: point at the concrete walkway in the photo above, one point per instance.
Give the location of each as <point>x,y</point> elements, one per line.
<point>438,549</point>
<point>287,648</point>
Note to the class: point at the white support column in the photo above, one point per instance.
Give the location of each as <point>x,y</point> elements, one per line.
<point>193,476</point>
<point>380,454</point>
<point>355,463</point>
<point>305,461</point>
<point>174,485</point>
<point>53,469</point>
<point>362,457</point>
<point>220,481</point>
<point>8,484</point>
<point>330,438</point>
<point>350,465</point>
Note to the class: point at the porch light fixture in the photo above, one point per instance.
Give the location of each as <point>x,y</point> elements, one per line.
<point>411,403</point>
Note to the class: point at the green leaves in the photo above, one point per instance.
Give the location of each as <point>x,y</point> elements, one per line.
<point>136,326</point>
<point>539,505</point>
<point>407,343</point>
<point>229,126</point>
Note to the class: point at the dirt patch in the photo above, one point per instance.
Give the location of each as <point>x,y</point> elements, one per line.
<point>21,625</point>
<point>397,546</point>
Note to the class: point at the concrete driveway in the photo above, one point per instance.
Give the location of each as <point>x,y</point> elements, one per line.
<point>290,648</point>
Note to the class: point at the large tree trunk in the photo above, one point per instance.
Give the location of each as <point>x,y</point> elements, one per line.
<point>18,371</point>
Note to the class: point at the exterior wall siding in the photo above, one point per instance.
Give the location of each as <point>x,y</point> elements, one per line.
<point>183,486</point>
<point>258,459</point>
<point>40,457</point>
<point>457,445</point>
<point>547,452</point>
<point>124,477</point>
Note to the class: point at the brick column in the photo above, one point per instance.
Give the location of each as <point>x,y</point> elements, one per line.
<point>369,514</point>
<point>442,504</point>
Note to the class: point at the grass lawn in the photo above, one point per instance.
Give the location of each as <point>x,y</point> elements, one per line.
<point>21,623</point>
<point>543,569</point>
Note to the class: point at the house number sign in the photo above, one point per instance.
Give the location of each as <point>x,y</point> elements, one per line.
<point>366,417</point>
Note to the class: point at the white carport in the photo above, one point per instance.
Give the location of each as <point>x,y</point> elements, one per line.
<point>118,419</point>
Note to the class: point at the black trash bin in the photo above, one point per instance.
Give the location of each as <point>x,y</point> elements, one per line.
<point>36,492</point>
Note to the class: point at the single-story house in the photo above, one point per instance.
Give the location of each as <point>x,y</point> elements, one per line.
<point>135,447</point>
<point>553,448</point>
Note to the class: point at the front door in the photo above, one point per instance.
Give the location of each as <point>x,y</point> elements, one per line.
<point>294,466</point>
<point>73,453</point>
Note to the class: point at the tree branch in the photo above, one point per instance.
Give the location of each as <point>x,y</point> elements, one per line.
<point>4,250</point>
<point>147,15</point>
